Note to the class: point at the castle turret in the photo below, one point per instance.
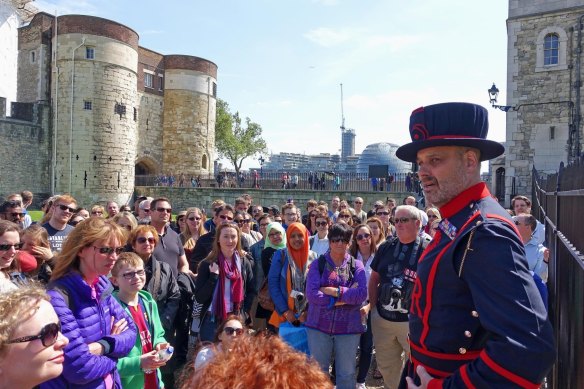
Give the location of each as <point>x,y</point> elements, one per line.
<point>189,115</point>
<point>95,108</point>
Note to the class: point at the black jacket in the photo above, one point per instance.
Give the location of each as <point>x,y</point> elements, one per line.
<point>165,291</point>
<point>206,282</point>
<point>201,250</point>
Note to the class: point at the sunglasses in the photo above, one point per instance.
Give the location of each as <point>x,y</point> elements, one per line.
<point>193,218</point>
<point>164,210</point>
<point>131,274</point>
<point>74,223</point>
<point>15,214</point>
<point>225,217</point>
<point>345,216</point>
<point>48,335</point>
<point>402,220</point>
<point>385,213</point>
<point>6,247</point>
<point>320,224</point>
<point>142,240</point>
<point>337,240</point>
<point>313,215</point>
<point>110,250</point>
<point>230,331</point>
<point>358,202</point>
<point>363,236</point>
<point>92,212</point>
<point>432,217</point>
<point>66,208</point>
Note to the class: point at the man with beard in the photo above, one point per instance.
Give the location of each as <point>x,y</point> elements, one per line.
<point>476,317</point>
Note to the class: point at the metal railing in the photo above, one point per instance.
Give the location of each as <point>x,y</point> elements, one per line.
<point>558,201</point>
<point>396,182</point>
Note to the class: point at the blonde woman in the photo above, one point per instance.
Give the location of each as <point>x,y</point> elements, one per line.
<point>98,327</point>
<point>126,220</point>
<point>97,211</point>
<point>31,342</point>
<point>194,228</point>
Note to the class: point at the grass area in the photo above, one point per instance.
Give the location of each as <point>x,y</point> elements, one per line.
<point>35,215</point>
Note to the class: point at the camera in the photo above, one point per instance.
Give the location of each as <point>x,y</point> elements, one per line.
<point>396,294</point>
<point>298,296</point>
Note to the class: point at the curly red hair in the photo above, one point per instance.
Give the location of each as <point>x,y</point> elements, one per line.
<point>261,361</point>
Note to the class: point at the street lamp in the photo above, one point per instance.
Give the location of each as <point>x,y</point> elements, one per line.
<point>494,93</point>
<point>261,160</point>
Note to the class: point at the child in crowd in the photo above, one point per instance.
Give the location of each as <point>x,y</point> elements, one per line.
<point>139,369</point>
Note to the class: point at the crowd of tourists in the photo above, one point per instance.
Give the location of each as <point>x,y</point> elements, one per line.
<point>297,295</point>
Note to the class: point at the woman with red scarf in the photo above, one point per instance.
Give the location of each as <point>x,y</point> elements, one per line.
<point>224,283</point>
<point>287,277</point>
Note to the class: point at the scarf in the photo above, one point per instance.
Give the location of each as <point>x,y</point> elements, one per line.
<point>228,271</point>
<point>278,227</point>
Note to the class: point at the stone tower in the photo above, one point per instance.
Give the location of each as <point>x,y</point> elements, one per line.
<point>543,58</point>
<point>95,106</point>
<point>189,115</point>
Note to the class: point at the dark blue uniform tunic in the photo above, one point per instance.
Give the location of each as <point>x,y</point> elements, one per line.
<point>477,318</point>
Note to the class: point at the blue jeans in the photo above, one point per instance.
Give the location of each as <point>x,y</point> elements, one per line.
<point>208,328</point>
<point>322,346</point>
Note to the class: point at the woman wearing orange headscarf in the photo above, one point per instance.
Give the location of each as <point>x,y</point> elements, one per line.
<point>287,276</point>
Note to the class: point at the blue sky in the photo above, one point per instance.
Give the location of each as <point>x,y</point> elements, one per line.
<point>281,61</point>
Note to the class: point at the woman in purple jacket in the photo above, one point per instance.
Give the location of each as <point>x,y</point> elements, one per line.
<point>335,289</point>
<point>97,326</point>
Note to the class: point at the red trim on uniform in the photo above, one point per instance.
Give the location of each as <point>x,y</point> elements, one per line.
<point>430,284</point>
<point>452,137</point>
<point>465,378</point>
<point>435,383</point>
<point>469,355</point>
<point>473,193</point>
<point>501,218</point>
<point>432,371</point>
<point>506,373</point>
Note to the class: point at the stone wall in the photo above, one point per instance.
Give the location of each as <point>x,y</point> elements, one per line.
<point>150,113</point>
<point>25,148</point>
<point>537,135</point>
<point>182,198</point>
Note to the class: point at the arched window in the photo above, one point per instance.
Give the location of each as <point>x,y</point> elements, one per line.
<point>551,49</point>
<point>204,161</point>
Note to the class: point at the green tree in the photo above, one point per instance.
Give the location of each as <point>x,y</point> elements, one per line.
<point>235,141</point>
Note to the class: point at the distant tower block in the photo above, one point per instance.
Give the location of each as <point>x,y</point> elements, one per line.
<point>94,103</point>
<point>189,115</point>
<point>347,143</point>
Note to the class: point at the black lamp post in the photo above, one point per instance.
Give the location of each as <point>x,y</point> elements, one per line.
<point>261,160</point>
<point>493,94</point>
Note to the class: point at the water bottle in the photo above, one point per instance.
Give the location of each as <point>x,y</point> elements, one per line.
<point>165,353</point>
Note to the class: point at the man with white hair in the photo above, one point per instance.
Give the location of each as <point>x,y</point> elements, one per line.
<point>390,291</point>
<point>144,211</point>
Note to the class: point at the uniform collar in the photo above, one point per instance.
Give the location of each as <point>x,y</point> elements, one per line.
<point>474,193</point>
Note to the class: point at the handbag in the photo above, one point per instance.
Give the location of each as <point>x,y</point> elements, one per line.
<point>264,298</point>
<point>295,336</point>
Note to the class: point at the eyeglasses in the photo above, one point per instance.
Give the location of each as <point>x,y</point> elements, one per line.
<point>48,335</point>
<point>193,218</point>
<point>15,215</point>
<point>384,213</point>
<point>74,223</point>
<point>142,240</point>
<point>110,250</point>
<point>363,236</point>
<point>94,212</point>
<point>320,224</point>
<point>230,331</point>
<point>432,217</point>
<point>256,210</point>
<point>66,208</point>
<point>345,216</point>
<point>164,210</point>
<point>313,215</point>
<point>402,220</point>
<point>225,217</point>
<point>358,202</point>
<point>278,221</point>
<point>6,247</point>
<point>146,210</point>
<point>131,274</point>
<point>337,240</point>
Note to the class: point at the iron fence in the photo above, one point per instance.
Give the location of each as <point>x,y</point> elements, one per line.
<point>558,201</point>
<point>395,182</point>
